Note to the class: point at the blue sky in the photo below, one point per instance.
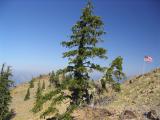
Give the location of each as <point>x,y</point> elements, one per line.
<point>31,32</point>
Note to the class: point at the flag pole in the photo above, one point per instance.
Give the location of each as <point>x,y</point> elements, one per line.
<point>143,68</point>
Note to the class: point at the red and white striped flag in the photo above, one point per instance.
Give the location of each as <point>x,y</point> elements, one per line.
<point>148,59</point>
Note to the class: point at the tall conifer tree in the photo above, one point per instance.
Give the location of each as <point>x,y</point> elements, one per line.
<point>83,42</point>
<point>86,34</point>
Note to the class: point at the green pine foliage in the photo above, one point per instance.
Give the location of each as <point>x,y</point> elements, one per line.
<point>86,34</point>
<point>83,42</point>
<point>113,74</point>
<point>31,83</point>
<point>38,103</point>
<point>49,110</point>
<point>54,78</point>
<point>5,98</point>
<point>51,78</point>
<point>27,96</point>
<point>83,48</point>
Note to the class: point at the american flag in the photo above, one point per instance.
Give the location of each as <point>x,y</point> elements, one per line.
<point>148,59</point>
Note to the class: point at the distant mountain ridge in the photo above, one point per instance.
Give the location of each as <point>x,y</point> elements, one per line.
<point>20,77</point>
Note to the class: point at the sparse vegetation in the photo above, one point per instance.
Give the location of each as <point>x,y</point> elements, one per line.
<point>37,106</point>
<point>27,96</point>
<point>142,91</point>
<point>51,79</point>
<point>54,79</point>
<point>31,83</point>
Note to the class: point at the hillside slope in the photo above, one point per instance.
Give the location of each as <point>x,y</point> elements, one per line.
<point>23,108</point>
<point>139,95</point>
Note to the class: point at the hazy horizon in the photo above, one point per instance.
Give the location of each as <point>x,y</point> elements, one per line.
<point>31,32</point>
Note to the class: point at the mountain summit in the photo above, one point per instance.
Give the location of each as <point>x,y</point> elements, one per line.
<point>139,99</point>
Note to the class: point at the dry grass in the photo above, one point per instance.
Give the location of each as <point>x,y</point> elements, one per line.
<point>23,108</point>
<point>142,94</point>
<point>139,94</point>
